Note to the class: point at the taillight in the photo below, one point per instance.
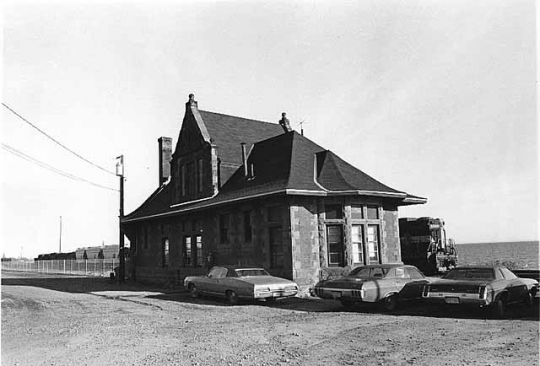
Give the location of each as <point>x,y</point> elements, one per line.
<point>425,290</point>
<point>482,293</point>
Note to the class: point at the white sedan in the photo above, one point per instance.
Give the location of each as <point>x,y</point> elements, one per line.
<point>240,282</point>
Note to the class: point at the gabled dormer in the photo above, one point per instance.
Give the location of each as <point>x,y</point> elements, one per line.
<point>194,164</point>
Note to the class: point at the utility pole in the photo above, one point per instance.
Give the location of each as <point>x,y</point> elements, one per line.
<point>60,244</point>
<point>120,173</point>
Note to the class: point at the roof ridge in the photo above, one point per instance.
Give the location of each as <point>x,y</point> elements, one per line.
<point>244,118</point>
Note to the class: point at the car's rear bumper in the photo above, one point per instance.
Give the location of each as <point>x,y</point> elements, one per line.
<point>455,298</point>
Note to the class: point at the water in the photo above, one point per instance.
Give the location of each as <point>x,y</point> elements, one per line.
<point>514,255</point>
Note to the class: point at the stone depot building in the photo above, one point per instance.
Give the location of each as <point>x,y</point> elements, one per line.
<point>240,191</point>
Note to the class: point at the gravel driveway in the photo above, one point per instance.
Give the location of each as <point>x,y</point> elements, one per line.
<point>61,320</point>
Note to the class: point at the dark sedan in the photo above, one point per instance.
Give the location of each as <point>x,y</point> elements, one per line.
<point>386,284</point>
<point>482,286</point>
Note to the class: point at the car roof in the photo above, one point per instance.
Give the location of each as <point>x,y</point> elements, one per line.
<point>386,265</point>
<point>238,266</point>
<point>481,266</point>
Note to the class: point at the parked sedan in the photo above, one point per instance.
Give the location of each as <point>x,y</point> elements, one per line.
<point>240,282</point>
<point>483,286</point>
<point>386,284</point>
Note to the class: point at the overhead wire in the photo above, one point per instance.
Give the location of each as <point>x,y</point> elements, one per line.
<point>26,157</point>
<point>56,141</point>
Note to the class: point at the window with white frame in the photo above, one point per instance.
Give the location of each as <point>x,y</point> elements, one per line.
<point>357,239</point>
<point>373,243</point>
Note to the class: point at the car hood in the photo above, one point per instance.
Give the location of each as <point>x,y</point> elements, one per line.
<point>266,280</point>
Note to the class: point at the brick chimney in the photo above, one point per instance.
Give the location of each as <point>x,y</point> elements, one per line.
<point>191,104</point>
<point>165,156</point>
<point>284,122</point>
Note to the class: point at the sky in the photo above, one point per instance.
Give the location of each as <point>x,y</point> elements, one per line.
<point>434,98</point>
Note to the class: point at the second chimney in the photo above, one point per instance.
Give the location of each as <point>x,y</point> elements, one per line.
<point>165,154</point>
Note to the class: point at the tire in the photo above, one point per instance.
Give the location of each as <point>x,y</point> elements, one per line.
<point>390,303</point>
<point>232,297</point>
<point>347,304</point>
<point>528,300</point>
<point>498,308</point>
<point>193,292</point>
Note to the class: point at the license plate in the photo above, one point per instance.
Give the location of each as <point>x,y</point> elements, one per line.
<point>452,300</point>
<point>336,294</point>
<point>276,294</point>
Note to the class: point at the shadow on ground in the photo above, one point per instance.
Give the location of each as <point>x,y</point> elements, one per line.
<point>314,304</point>
<point>70,283</point>
<point>82,284</point>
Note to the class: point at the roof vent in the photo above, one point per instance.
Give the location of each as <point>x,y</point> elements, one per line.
<point>284,122</point>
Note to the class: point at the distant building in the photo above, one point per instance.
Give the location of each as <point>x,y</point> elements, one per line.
<point>109,252</point>
<point>243,191</point>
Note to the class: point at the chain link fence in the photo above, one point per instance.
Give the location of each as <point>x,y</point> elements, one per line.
<point>87,267</point>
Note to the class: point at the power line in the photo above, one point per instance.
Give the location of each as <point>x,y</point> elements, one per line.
<point>51,168</point>
<point>57,142</point>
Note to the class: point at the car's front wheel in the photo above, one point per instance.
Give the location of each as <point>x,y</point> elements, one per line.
<point>193,292</point>
<point>232,297</point>
<point>498,308</point>
<point>390,302</point>
<point>528,300</point>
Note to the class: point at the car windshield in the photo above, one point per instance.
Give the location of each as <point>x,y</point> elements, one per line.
<point>368,272</point>
<point>470,274</point>
<point>251,272</point>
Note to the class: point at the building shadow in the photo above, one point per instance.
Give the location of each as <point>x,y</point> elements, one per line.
<point>72,283</point>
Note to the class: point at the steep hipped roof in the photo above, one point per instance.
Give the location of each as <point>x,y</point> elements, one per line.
<point>282,163</point>
<point>335,174</point>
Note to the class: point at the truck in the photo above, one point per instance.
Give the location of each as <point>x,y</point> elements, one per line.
<point>424,244</point>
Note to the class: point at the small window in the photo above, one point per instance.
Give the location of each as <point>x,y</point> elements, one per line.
<point>145,236</point>
<point>373,212</point>
<point>165,251</point>
<point>191,179</point>
<point>199,175</point>
<point>183,179</point>
<point>198,252</point>
<point>357,212</point>
<point>333,212</point>
<point>224,228</point>
<point>187,251</point>
<point>247,226</point>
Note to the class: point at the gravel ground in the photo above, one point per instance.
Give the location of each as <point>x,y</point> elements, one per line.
<point>61,320</point>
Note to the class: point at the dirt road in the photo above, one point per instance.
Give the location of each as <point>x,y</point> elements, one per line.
<point>59,320</point>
